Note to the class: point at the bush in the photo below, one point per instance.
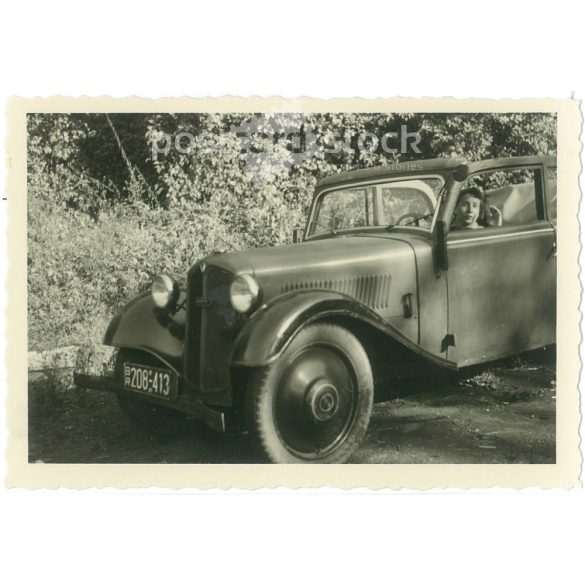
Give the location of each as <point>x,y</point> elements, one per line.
<point>80,271</point>
<point>104,219</point>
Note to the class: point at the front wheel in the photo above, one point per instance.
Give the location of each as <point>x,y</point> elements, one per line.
<point>313,404</point>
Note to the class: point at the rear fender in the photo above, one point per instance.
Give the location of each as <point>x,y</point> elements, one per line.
<point>266,335</point>
<point>144,326</point>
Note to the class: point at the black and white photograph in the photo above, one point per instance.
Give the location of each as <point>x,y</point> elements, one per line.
<point>292,293</point>
<point>292,287</point>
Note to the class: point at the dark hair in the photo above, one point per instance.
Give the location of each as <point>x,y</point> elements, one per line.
<point>473,191</point>
<point>477,193</point>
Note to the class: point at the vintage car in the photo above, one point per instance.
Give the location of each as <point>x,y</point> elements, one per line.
<point>290,343</point>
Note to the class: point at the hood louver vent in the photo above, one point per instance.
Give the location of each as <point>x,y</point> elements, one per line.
<point>372,290</point>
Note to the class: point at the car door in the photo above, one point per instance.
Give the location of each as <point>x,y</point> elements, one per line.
<point>501,281</point>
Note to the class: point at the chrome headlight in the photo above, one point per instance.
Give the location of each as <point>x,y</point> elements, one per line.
<point>165,292</point>
<point>243,293</point>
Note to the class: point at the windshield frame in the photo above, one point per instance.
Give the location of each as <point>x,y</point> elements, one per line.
<point>311,223</point>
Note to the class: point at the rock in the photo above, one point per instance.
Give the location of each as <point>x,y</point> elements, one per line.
<point>52,359</point>
<point>54,368</point>
<point>97,360</point>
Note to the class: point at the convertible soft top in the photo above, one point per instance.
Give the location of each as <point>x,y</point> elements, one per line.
<point>438,165</point>
<point>393,169</point>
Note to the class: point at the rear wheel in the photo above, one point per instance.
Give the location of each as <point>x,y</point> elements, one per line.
<point>312,405</point>
<point>156,421</point>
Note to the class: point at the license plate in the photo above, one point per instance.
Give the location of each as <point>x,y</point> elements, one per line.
<point>148,380</point>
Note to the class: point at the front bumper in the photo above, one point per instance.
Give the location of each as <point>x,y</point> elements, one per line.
<point>193,407</point>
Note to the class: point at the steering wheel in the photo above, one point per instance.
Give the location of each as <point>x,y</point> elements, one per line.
<point>408,217</point>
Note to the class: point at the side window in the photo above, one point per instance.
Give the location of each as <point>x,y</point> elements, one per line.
<point>551,192</point>
<point>507,197</point>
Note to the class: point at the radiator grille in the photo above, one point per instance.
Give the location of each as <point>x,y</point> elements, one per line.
<point>209,329</point>
<point>193,331</point>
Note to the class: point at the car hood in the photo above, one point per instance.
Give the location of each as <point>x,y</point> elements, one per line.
<point>356,265</point>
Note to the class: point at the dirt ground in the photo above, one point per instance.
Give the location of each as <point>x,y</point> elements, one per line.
<point>505,414</point>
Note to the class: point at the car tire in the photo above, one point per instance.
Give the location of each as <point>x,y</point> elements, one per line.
<point>154,420</point>
<point>313,404</point>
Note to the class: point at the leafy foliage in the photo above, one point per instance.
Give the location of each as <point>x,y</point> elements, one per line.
<point>105,216</point>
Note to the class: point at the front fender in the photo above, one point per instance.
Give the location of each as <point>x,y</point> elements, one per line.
<point>272,327</point>
<point>144,326</point>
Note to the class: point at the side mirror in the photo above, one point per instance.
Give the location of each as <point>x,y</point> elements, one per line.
<point>297,235</point>
<point>461,172</point>
<point>440,251</point>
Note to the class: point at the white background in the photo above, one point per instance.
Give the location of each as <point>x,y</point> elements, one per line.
<point>366,49</point>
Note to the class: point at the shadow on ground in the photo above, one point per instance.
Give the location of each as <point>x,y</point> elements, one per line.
<point>505,414</point>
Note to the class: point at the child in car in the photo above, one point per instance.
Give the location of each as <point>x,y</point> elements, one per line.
<point>471,213</point>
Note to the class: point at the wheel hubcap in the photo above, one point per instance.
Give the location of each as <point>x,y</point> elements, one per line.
<point>315,402</point>
<point>322,400</point>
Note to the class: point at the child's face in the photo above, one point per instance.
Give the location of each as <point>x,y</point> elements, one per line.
<point>467,211</point>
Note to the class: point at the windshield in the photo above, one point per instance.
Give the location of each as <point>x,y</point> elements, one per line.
<point>404,202</point>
